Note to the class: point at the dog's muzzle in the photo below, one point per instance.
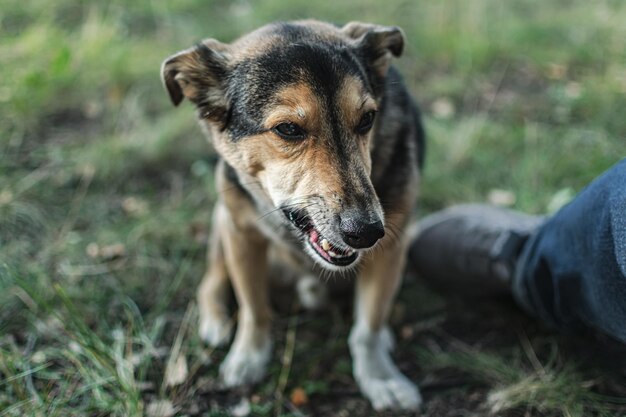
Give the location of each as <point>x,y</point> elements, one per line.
<point>333,253</point>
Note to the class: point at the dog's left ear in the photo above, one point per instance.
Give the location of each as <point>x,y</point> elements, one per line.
<point>199,74</point>
<point>377,44</point>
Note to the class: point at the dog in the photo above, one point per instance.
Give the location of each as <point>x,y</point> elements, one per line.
<point>320,149</point>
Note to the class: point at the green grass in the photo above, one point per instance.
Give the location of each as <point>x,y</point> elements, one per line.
<point>555,389</point>
<point>106,193</point>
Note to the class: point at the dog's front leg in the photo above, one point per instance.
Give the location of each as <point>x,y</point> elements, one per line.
<point>214,324</point>
<point>370,339</point>
<point>245,251</point>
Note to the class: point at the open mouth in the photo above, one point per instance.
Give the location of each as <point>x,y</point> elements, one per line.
<point>322,246</point>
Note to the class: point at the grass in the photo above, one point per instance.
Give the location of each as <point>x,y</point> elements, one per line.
<point>106,194</point>
<point>556,389</point>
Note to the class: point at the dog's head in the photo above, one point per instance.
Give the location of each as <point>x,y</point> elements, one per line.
<point>291,108</point>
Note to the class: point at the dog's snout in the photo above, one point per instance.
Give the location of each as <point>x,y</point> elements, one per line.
<point>361,232</point>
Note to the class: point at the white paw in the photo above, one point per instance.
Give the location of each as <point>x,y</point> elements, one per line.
<point>245,365</point>
<point>394,393</point>
<point>312,293</point>
<point>215,330</point>
<point>375,373</point>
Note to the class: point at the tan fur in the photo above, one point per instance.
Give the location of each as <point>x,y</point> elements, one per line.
<point>259,41</point>
<point>232,260</point>
<point>298,104</point>
<point>270,172</point>
<point>354,100</point>
<point>381,272</point>
<point>213,290</point>
<point>353,103</point>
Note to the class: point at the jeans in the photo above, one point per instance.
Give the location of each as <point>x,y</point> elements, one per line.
<point>572,270</point>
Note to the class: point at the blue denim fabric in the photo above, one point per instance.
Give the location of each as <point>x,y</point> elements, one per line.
<point>572,271</point>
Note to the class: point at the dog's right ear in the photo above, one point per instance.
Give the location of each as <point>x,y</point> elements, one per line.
<point>376,43</point>
<point>199,74</point>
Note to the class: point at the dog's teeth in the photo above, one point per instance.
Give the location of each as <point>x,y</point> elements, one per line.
<point>333,254</point>
<point>325,245</point>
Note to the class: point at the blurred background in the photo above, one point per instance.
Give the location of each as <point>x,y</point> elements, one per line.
<point>106,192</point>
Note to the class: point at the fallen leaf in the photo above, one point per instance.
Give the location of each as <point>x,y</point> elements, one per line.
<point>134,206</point>
<point>298,397</point>
<point>114,251</point>
<point>407,332</point>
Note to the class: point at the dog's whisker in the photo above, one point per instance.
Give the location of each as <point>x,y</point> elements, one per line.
<point>283,207</point>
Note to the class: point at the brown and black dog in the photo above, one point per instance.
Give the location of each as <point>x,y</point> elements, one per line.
<point>320,147</point>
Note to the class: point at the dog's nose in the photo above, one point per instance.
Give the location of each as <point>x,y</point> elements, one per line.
<point>360,233</point>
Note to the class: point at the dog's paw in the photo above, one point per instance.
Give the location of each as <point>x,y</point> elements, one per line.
<point>394,393</point>
<point>245,365</point>
<point>375,373</point>
<point>214,330</point>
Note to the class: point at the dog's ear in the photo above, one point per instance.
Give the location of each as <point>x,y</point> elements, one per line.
<point>199,74</point>
<point>377,44</point>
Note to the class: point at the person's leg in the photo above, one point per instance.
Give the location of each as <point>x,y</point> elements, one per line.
<point>568,271</point>
<point>471,248</point>
<point>572,271</point>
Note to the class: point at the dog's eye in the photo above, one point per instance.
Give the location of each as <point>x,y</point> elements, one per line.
<point>366,122</point>
<point>290,131</point>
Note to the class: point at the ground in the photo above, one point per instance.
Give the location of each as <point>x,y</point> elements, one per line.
<point>106,193</point>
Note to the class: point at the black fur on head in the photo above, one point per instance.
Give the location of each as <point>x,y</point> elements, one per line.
<point>234,82</point>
